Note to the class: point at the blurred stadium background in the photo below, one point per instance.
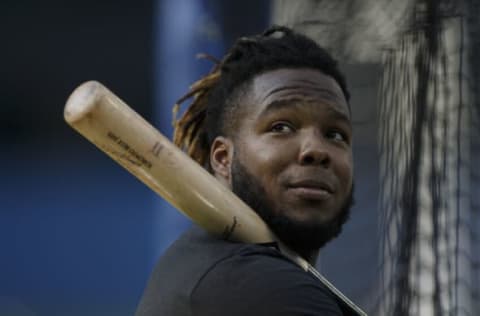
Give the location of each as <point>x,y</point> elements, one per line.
<point>79,235</point>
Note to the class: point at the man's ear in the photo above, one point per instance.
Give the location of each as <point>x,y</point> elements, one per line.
<point>221,157</point>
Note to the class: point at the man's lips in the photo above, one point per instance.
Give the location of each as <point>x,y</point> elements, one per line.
<point>311,189</point>
<point>312,184</point>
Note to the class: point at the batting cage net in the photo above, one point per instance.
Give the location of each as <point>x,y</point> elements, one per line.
<point>428,146</point>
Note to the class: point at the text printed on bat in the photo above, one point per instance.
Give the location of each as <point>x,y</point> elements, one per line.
<point>134,157</point>
<point>156,149</point>
<point>229,229</point>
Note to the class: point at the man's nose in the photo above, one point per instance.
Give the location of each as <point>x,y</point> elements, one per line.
<point>314,150</point>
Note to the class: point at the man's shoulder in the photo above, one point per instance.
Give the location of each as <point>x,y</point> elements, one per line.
<point>216,277</point>
<point>258,280</point>
<point>196,254</point>
<point>198,244</point>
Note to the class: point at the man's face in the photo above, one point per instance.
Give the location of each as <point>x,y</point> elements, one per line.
<point>292,159</point>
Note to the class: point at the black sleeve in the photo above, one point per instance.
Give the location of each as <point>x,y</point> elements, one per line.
<point>259,284</point>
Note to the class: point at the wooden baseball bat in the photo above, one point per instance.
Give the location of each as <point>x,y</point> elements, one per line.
<point>110,124</point>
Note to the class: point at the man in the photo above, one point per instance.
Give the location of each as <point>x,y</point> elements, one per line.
<point>271,122</point>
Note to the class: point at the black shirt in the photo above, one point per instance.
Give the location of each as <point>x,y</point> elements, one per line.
<point>201,275</point>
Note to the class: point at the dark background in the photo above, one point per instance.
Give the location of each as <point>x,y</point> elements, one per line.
<point>77,232</point>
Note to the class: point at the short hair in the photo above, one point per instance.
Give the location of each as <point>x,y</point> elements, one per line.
<point>214,104</point>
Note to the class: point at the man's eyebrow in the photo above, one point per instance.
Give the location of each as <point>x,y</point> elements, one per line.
<point>277,105</point>
<point>339,116</point>
<point>315,88</point>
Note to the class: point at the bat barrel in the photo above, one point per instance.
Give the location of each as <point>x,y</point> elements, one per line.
<point>82,101</point>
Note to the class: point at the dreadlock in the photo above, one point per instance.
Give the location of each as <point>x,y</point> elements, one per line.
<point>213,95</point>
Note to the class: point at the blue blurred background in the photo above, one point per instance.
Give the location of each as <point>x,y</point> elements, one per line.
<point>78,234</point>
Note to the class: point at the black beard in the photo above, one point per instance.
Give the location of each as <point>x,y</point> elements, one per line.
<point>299,236</point>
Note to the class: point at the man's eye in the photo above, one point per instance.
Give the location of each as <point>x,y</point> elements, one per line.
<point>282,127</point>
<point>337,136</point>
